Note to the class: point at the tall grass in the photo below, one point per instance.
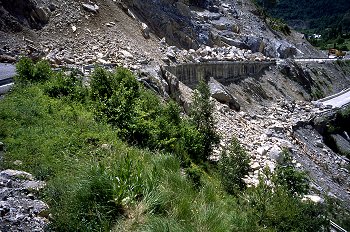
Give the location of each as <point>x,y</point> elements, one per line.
<point>96,181</point>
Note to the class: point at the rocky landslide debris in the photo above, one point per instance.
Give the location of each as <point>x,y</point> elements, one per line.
<point>215,23</point>
<point>264,135</point>
<point>20,209</point>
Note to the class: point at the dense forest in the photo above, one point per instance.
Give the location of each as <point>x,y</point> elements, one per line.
<point>328,18</point>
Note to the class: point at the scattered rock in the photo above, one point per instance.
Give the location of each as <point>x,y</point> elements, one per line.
<point>19,208</point>
<point>15,174</point>
<point>275,153</point>
<point>52,7</point>
<point>106,146</point>
<point>7,59</point>
<point>313,198</point>
<point>91,8</point>
<point>319,143</point>
<point>145,30</point>
<point>18,162</point>
<point>171,53</point>
<point>255,166</point>
<point>219,92</point>
<point>262,150</point>
<point>126,54</point>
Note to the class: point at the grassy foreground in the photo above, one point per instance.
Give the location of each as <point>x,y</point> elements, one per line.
<point>116,157</point>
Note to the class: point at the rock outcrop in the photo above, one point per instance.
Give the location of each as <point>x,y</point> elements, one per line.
<point>16,14</point>
<point>219,92</point>
<point>212,23</point>
<point>20,209</point>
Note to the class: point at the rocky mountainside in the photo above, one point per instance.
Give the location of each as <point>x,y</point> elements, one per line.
<point>92,34</point>
<point>145,35</point>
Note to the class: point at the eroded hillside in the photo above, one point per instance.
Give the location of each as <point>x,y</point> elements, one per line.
<point>268,113</point>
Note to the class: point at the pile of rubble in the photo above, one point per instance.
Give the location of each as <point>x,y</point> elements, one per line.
<point>206,53</point>
<point>20,209</point>
<point>275,128</point>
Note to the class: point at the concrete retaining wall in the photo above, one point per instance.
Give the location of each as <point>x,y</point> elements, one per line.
<point>224,72</point>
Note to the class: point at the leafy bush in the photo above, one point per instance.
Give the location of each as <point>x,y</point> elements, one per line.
<point>233,166</point>
<point>344,48</point>
<point>275,207</point>
<point>279,25</point>
<point>27,71</point>
<point>116,94</point>
<point>294,181</point>
<point>66,86</point>
<point>143,119</point>
<point>194,173</point>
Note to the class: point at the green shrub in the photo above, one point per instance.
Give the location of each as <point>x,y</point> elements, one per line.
<point>66,86</point>
<point>202,110</point>
<point>233,166</point>
<point>144,120</point>
<point>344,48</point>
<point>194,173</point>
<point>102,84</point>
<point>27,71</point>
<point>116,94</point>
<point>274,207</point>
<point>279,25</point>
<point>192,142</point>
<point>295,182</point>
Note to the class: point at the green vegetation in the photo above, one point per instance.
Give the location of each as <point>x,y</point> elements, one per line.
<point>233,166</point>
<point>202,116</point>
<point>296,182</point>
<point>276,24</point>
<point>117,158</point>
<point>328,18</point>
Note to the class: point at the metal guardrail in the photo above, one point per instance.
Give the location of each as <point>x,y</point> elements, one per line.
<point>336,227</point>
<point>334,95</point>
<point>6,81</point>
<point>5,88</point>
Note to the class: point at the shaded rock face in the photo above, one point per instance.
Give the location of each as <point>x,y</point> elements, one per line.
<point>167,19</point>
<point>191,24</point>
<point>335,129</point>
<point>342,144</point>
<point>15,14</point>
<point>219,92</point>
<point>297,73</point>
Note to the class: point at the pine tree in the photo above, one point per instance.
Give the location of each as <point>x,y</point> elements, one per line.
<point>202,115</point>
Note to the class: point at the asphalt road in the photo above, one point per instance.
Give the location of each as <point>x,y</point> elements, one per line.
<point>338,101</point>
<point>319,60</point>
<point>7,71</point>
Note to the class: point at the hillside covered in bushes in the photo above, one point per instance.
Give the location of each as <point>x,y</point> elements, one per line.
<point>117,157</point>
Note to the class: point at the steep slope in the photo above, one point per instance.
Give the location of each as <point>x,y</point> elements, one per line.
<point>76,36</point>
<point>128,33</point>
<point>218,23</point>
<point>316,14</point>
